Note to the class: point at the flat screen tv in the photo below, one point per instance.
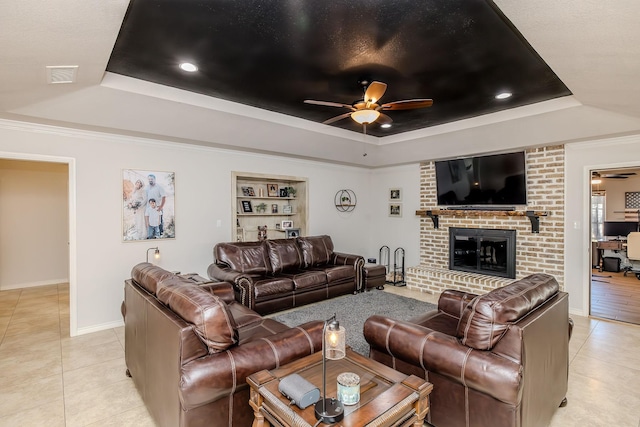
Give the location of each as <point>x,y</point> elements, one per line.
<point>619,228</point>
<point>493,180</point>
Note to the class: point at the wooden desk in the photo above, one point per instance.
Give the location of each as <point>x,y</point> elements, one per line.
<point>612,245</point>
<point>387,397</point>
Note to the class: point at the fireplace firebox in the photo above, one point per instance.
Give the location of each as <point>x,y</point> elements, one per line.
<point>483,251</point>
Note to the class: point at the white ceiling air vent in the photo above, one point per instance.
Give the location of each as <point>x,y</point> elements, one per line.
<point>61,74</point>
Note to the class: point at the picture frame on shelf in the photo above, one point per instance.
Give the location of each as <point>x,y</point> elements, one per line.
<point>277,226</point>
<point>287,209</point>
<point>284,192</point>
<point>395,194</point>
<point>274,208</point>
<point>139,187</point>
<point>287,224</point>
<point>291,233</point>
<point>395,209</point>
<point>246,206</point>
<point>248,192</point>
<point>272,190</point>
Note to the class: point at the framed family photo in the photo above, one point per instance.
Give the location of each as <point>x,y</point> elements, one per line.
<point>148,205</point>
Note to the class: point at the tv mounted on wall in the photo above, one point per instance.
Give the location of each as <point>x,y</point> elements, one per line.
<point>493,180</point>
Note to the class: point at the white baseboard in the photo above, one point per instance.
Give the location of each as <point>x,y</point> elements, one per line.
<point>101,327</point>
<point>33,284</point>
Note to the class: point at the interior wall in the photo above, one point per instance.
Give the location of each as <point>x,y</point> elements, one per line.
<point>34,224</point>
<point>615,194</point>
<point>392,231</point>
<point>580,159</point>
<point>203,195</point>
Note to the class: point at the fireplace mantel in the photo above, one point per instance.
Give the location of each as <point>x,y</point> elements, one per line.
<point>534,216</point>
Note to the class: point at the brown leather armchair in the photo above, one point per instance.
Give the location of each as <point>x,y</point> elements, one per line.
<point>189,347</point>
<point>495,360</point>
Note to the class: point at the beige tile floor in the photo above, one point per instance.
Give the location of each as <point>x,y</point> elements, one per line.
<point>50,379</point>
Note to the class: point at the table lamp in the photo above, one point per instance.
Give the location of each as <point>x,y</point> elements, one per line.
<point>330,410</point>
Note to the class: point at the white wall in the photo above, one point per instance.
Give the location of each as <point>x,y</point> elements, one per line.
<point>396,232</point>
<point>203,194</point>
<point>615,197</point>
<point>580,159</point>
<point>33,224</point>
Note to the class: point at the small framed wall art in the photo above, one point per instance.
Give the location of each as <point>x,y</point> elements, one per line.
<point>395,194</point>
<point>395,209</point>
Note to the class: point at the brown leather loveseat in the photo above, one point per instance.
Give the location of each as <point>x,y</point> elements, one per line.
<point>275,275</point>
<point>495,360</point>
<point>189,347</point>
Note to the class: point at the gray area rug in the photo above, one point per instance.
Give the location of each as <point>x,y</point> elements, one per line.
<point>352,310</point>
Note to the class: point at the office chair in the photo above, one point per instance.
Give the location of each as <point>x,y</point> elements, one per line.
<point>633,251</point>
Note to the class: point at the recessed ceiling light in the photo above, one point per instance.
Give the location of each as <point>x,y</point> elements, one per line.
<point>504,95</point>
<point>386,125</point>
<point>187,66</point>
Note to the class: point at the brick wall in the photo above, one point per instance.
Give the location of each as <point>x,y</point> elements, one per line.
<point>535,253</point>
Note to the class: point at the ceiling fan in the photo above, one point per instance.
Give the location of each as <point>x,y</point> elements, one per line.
<point>368,110</point>
<point>622,175</point>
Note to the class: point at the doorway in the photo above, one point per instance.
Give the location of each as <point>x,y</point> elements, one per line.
<point>615,209</point>
<point>34,205</point>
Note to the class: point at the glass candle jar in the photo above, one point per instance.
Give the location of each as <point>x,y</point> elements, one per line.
<point>348,388</point>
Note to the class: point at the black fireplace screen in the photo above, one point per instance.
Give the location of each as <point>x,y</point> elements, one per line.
<point>484,251</point>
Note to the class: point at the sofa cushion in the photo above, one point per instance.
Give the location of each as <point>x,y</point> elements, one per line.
<point>284,255</point>
<point>316,250</point>
<point>338,273</point>
<point>487,317</point>
<point>148,276</point>
<point>210,316</point>
<point>244,257</point>
<point>271,286</point>
<point>307,279</point>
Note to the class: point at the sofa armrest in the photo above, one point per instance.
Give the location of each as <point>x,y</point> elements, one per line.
<point>214,376</point>
<point>453,302</point>
<point>347,259</point>
<point>223,290</point>
<point>242,283</point>
<point>436,352</point>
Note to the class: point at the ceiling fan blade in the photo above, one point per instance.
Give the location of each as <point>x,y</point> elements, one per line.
<point>336,118</point>
<point>375,91</point>
<point>407,104</point>
<point>383,119</point>
<point>328,103</point>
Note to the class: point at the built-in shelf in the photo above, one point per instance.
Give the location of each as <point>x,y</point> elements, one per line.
<point>434,214</point>
<point>249,190</point>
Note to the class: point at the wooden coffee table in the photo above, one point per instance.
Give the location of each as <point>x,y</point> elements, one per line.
<point>387,397</point>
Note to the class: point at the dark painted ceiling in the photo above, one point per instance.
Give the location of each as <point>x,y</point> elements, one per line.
<point>275,54</point>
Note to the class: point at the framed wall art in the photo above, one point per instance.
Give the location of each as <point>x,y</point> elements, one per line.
<point>395,194</point>
<point>148,205</point>
<point>395,209</point>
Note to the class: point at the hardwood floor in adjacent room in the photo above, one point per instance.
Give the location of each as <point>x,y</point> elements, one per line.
<point>615,297</point>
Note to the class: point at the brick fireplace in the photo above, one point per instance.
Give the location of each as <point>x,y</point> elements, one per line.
<point>541,252</point>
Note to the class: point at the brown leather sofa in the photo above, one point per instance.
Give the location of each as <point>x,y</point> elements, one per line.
<point>275,275</point>
<point>495,360</point>
<point>189,347</point>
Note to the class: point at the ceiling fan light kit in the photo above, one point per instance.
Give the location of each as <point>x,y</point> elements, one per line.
<point>365,117</point>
